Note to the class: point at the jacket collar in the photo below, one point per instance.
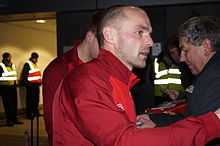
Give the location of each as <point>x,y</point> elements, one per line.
<point>72,56</point>
<point>74,53</point>
<point>116,68</point>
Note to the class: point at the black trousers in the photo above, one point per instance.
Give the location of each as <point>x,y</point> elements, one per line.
<point>32,99</point>
<point>10,101</point>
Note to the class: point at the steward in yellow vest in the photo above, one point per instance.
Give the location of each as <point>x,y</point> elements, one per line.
<point>31,78</point>
<point>8,90</point>
<point>8,74</point>
<point>166,75</point>
<point>169,72</point>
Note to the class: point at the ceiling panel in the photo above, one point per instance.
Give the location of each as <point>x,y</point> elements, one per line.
<point>29,21</point>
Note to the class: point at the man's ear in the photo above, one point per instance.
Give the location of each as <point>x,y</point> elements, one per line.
<point>207,44</point>
<point>109,34</point>
<point>90,36</point>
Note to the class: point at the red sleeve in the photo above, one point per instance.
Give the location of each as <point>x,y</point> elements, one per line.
<point>212,124</point>
<point>89,106</point>
<point>195,131</point>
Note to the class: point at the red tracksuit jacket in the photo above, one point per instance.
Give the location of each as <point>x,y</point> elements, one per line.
<point>53,75</point>
<point>93,106</point>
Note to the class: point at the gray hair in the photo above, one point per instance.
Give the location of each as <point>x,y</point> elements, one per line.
<point>199,28</point>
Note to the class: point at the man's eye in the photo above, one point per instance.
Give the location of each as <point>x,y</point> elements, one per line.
<point>140,32</point>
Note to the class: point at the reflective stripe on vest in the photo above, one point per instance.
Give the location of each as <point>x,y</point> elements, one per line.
<point>34,74</point>
<point>170,78</point>
<point>9,75</point>
<point>8,78</point>
<point>167,81</point>
<point>165,71</point>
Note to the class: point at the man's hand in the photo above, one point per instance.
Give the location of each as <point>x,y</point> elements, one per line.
<point>218,113</point>
<point>145,120</point>
<point>146,124</point>
<point>169,113</point>
<point>143,116</point>
<point>173,94</point>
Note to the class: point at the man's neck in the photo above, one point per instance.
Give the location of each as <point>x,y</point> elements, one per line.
<point>32,60</point>
<point>83,52</point>
<point>112,49</point>
<point>7,63</point>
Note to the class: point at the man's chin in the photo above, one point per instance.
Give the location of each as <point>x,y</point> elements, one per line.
<point>194,72</point>
<point>140,65</point>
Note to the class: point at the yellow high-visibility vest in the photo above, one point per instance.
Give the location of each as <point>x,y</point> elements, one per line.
<point>9,76</point>
<point>34,74</point>
<point>168,78</point>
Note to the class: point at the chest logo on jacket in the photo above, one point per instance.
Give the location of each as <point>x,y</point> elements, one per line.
<point>120,106</point>
<point>190,89</point>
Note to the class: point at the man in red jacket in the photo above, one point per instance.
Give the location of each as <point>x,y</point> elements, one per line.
<point>83,51</point>
<point>93,105</point>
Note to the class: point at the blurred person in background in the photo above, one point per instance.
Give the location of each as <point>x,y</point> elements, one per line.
<point>83,51</point>
<point>168,73</point>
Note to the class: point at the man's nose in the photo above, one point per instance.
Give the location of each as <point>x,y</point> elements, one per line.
<point>149,41</point>
<point>182,57</point>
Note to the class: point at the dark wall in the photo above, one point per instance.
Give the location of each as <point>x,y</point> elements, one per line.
<point>157,17</point>
<point>70,26</point>
<point>30,6</point>
<point>179,13</point>
<point>107,3</point>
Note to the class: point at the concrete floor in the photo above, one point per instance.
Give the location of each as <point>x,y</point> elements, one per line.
<point>14,136</point>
